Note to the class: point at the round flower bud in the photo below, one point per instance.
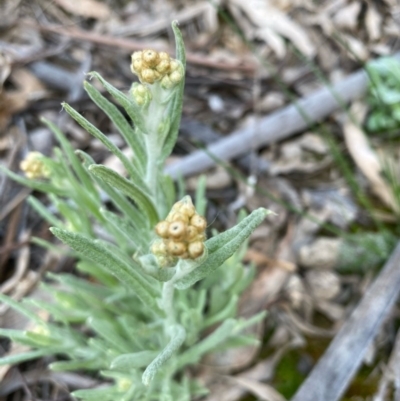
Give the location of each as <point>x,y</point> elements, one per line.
<point>158,248</point>
<point>163,66</point>
<point>166,83</point>
<point>174,65</point>
<point>191,233</point>
<point>199,222</point>
<point>148,75</point>
<point>150,57</point>
<point>177,230</point>
<point>187,209</point>
<point>178,216</point>
<point>176,248</point>
<point>164,56</point>
<point>175,77</point>
<point>195,249</point>
<point>136,55</point>
<point>162,229</point>
<point>137,66</point>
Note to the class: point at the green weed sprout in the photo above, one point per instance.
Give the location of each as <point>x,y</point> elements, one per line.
<point>157,284</point>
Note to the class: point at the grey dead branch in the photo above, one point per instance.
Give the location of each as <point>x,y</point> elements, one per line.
<point>334,371</point>
<point>278,126</point>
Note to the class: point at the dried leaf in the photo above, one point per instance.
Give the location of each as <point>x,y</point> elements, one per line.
<point>86,8</point>
<point>347,17</point>
<point>272,22</point>
<point>261,390</point>
<point>366,158</point>
<point>373,22</point>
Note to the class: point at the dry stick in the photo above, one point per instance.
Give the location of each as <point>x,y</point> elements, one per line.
<point>334,371</point>
<point>132,45</point>
<point>278,126</point>
<point>275,127</point>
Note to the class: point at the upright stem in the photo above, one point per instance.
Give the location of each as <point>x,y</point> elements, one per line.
<point>167,302</point>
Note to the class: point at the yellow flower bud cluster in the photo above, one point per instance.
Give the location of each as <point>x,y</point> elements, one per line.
<point>33,166</point>
<point>182,233</point>
<point>151,66</point>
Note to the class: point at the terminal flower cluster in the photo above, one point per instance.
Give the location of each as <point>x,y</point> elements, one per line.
<point>151,66</point>
<point>33,166</point>
<point>182,233</point>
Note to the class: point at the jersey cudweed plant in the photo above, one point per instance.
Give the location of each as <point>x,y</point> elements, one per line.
<point>157,285</point>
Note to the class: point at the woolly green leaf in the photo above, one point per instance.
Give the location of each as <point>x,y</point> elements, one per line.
<point>227,312</point>
<point>37,185</point>
<point>73,159</point>
<point>95,251</point>
<point>109,331</point>
<point>126,231</point>
<point>133,110</point>
<point>133,361</point>
<point>26,356</point>
<point>217,337</point>
<point>176,103</point>
<point>129,188</point>
<point>89,127</point>
<point>223,246</point>
<point>21,309</point>
<point>76,365</point>
<point>178,335</point>
<point>127,208</point>
<point>44,212</point>
<point>130,136</point>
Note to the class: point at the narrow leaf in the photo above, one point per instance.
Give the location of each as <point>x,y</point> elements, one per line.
<point>177,338</point>
<point>42,186</point>
<point>89,127</point>
<point>132,109</point>
<point>130,136</point>
<point>94,251</point>
<point>128,188</point>
<point>133,361</point>
<point>73,159</point>
<point>216,338</point>
<point>223,246</point>
<point>175,109</point>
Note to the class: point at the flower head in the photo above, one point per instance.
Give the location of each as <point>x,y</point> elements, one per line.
<point>182,234</point>
<point>34,167</point>
<point>151,66</point>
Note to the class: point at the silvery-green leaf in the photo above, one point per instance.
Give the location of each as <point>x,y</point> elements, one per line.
<point>129,188</point>
<point>44,212</point>
<point>73,159</point>
<point>21,308</point>
<point>131,137</point>
<point>178,335</point>
<point>135,217</point>
<point>217,337</point>
<point>109,331</point>
<point>132,109</point>
<point>79,364</point>
<point>42,186</point>
<point>223,246</point>
<point>175,104</point>
<point>135,360</point>
<point>94,251</point>
<point>228,311</point>
<point>89,127</point>
<point>150,266</point>
<point>24,356</point>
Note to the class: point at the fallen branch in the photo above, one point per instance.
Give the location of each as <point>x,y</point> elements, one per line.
<point>275,127</point>
<point>335,370</point>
